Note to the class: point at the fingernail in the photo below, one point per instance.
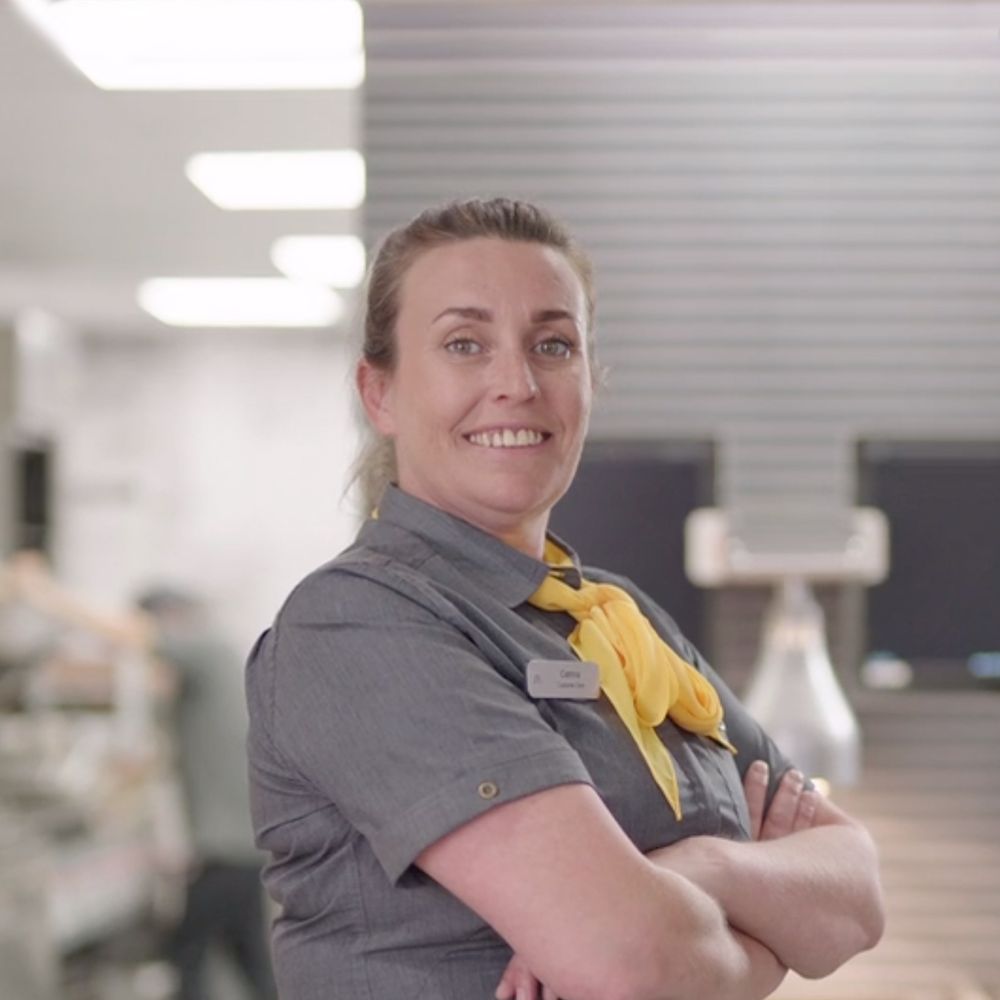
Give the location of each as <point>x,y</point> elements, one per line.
<point>798,777</point>
<point>760,769</point>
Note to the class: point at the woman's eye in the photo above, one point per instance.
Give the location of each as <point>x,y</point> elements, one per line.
<point>554,347</point>
<point>463,345</point>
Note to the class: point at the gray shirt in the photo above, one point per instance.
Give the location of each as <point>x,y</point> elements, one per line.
<point>388,706</point>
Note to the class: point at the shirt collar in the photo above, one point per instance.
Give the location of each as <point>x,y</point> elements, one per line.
<point>460,548</point>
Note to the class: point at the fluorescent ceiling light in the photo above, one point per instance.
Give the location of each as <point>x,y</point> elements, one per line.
<point>207,44</point>
<point>330,260</point>
<point>322,179</point>
<point>239,302</point>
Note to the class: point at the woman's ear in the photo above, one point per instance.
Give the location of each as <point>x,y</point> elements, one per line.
<point>375,389</point>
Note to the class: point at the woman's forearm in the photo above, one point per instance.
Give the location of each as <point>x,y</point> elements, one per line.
<point>761,975</point>
<point>816,893</point>
<point>812,897</point>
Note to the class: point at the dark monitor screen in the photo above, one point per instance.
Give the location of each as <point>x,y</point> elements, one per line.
<point>625,513</point>
<point>939,608</point>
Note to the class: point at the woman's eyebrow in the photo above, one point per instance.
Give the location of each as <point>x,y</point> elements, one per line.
<point>466,312</point>
<point>552,315</point>
<point>486,316</point>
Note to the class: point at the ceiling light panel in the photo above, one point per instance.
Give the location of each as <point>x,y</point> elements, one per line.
<point>318,179</point>
<point>330,260</point>
<point>239,302</point>
<point>208,44</point>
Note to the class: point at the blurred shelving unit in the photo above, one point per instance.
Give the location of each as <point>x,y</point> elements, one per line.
<point>89,816</point>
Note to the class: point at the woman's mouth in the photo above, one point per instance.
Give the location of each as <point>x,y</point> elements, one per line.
<point>507,437</point>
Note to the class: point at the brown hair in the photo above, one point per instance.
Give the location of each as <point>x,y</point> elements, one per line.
<point>498,218</point>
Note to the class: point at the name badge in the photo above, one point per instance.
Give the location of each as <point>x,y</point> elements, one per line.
<point>563,679</point>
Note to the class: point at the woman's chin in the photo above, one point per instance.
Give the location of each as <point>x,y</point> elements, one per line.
<point>510,508</point>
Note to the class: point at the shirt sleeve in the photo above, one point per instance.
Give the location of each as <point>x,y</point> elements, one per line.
<point>391,712</point>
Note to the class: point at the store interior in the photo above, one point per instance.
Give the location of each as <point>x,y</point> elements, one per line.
<point>794,213</point>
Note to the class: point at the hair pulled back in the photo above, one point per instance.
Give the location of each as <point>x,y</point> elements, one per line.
<point>497,218</point>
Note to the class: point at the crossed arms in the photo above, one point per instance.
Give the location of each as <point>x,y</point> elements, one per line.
<point>591,918</point>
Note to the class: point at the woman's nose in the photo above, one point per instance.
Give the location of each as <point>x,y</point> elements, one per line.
<point>514,377</point>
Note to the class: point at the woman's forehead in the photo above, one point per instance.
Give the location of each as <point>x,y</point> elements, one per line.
<point>488,271</point>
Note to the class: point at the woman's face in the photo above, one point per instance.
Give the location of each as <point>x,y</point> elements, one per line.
<point>489,401</point>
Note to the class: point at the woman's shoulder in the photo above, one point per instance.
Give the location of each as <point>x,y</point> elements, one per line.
<point>366,579</point>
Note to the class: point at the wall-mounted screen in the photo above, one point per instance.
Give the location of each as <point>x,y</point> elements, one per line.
<point>625,513</point>
<point>939,609</point>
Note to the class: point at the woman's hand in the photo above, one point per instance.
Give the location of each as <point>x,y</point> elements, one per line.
<point>518,983</point>
<point>793,807</point>
<point>813,899</point>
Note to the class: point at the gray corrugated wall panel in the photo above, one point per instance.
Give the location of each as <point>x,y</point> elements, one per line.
<point>823,239</point>
<point>793,228</point>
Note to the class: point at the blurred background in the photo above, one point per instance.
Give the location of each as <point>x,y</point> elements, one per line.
<point>794,213</point>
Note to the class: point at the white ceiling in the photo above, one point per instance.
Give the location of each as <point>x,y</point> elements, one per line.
<point>93,196</point>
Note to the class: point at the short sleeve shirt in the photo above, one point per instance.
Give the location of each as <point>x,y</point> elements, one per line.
<point>389,705</point>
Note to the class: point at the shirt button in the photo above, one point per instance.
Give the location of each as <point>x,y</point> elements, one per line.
<point>488,790</point>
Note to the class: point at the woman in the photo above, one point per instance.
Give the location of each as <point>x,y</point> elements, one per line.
<point>479,769</point>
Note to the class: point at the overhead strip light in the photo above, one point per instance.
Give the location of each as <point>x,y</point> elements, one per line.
<point>331,260</point>
<point>207,44</point>
<point>320,179</point>
<point>239,302</point>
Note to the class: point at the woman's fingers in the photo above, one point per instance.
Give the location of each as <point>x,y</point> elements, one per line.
<point>781,814</point>
<point>505,988</point>
<point>755,790</point>
<point>518,983</point>
<point>793,807</point>
<point>808,801</point>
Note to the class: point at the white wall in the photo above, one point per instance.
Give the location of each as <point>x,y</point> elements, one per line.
<point>217,462</point>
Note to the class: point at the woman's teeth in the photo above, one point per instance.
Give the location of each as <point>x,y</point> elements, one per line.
<point>506,438</point>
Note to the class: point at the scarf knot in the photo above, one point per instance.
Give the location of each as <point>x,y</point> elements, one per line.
<point>643,678</point>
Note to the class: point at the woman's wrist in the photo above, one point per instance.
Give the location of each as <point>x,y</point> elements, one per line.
<point>704,861</point>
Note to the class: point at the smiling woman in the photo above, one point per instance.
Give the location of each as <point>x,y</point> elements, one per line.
<point>515,225</point>
<point>488,399</point>
<point>481,769</point>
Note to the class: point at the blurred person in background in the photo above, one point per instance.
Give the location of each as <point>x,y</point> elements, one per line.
<point>199,677</point>
<point>481,768</point>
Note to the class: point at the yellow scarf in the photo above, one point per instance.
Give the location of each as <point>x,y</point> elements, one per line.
<point>642,677</point>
